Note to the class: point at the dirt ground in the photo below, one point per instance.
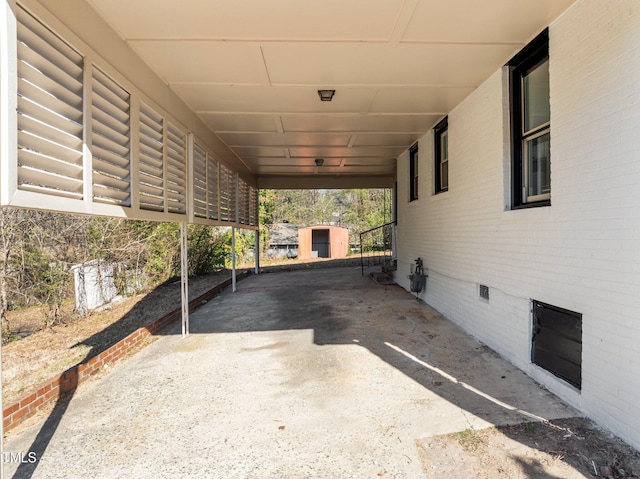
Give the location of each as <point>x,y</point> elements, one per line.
<point>560,449</point>
<point>44,353</point>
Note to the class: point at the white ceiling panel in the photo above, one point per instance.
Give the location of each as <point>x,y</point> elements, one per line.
<point>385,139</point>
<point>327,152</point>
<point>359,123</point>
<point>495,21</point>
<point>250,69</point>
<point>273,20</point>
<point>285,139</point>
<point>371,64</point>
<point>200,61</point>
<point>226,122</point>
<point>259,151</point>
<point>250,99</point>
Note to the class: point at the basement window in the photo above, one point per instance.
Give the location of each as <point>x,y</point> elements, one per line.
<point>413,173</point>
<point>557,342</point>
<point>531,124</point>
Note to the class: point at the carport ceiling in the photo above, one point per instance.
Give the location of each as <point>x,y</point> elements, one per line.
<point>251,69</point>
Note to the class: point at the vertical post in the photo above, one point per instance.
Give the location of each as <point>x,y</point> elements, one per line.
<point>1,421</point>
<point>233,258</point>
<point>361,255</point>
<point>184,279</point>
<point>8,104</point>
<point>256,251</point>
<point>8,139</point>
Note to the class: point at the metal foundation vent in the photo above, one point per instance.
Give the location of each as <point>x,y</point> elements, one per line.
<point>484,292</point>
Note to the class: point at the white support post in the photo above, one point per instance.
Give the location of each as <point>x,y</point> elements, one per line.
<point>8,139</point>
<point>185,279</point>
<point>256,251</point>
<point>190,174</point>
<point>8,104</point>
<point>233,258</point>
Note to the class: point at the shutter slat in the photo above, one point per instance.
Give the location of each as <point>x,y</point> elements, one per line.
<point>102,166</point>
<point>151,157</point>
<point>111,196</point>
<point>38,113</point>
<point>109,140</point>
<point>108,181</point>
<point>147,113</point>
<point>110,113</point>
<point>114,88</point>
<point>110,100</point>
<point>38,161</point>
<point>45,130</point>
<point>51,181</point>
<point>71,112</point>
<point>151,180</point>
<point>32,31</point>
<point>64,88</point>
<point>52,64</point>
<point>118,124</point>
<point>46,148</point>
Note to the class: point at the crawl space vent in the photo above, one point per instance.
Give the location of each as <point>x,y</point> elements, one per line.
<point>484,292</point>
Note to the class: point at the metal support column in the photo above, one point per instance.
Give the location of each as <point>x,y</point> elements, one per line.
<point>256,252</point>
<point>184,283</point>
<point>1,421</point>
<point>233,258</point>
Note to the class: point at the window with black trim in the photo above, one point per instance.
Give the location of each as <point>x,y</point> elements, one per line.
<point>530,124</point>
<point>413,173</point>
<point>441,141</point>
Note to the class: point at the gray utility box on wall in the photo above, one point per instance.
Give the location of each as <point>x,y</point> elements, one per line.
<point>418,278</point>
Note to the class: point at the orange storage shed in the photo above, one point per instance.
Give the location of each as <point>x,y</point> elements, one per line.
<point>323,241</point>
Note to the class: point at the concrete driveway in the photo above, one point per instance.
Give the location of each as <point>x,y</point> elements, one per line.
<point>304,374</point>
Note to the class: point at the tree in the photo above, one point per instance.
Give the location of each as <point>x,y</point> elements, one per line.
<point>11,224</point>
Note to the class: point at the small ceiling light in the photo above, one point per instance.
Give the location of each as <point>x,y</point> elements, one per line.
<point>319,162</point>
<point>326,95</point>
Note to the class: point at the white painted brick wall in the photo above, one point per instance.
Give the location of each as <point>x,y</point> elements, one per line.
<point>583,252</point>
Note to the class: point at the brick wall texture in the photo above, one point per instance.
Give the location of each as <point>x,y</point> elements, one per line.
<point>582,253</point>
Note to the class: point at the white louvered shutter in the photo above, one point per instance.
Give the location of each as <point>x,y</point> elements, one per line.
<point>243,203</point>
<point>110,141</point>
<point>233,206</point>
<point>225,193</point>
<point>253,206</point>
<point>199,181</point>
<point>50,105</point>
<point>151,162</point>
<point>213,188</point>
<point>176,168</point>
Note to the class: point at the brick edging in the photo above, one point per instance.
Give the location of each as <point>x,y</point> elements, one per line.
<point>51,390</point>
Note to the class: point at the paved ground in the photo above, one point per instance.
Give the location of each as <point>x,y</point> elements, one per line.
<point>303,374</point>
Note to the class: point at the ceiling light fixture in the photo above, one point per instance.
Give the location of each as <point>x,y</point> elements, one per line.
<point>326,95</point>
<point>319,162</point>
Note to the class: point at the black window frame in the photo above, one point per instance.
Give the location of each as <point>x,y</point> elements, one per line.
<point>530,57</point>
<point>413,173</point>
<point>439,130</point>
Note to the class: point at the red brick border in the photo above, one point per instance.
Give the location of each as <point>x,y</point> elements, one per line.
<point>49,391</point>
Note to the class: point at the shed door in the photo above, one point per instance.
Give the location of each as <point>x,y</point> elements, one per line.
<point>320,243</point>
